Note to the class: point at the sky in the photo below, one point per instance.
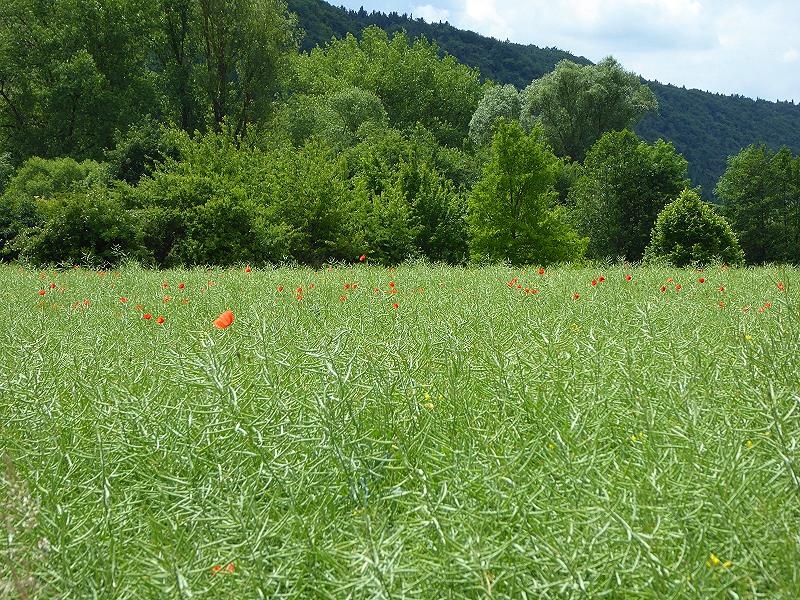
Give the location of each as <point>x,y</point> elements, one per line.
<point>746,47</point>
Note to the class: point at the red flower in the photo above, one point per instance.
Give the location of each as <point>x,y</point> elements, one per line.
<point>701,280</point>
<point>52,285</point>
<point>594,282</point>
<point>534,291</point>
<point>224,320</point>
<point>147,316</point>
<point>298,291</point>
<point>167,299</point>
<point>395,305</point>
<point>164,285</point>
<point>541,271</point>
<point>678,287</point>
<point>347,286</point>
<point>391,284</point>
<point>601,279</point>
<point>342,298</point>
<point>230,568</point>
<point>721,288</point>
<point>767,304</point>
<point>123,299</point>
<point>42,292</point>
<point>362,258</point>
<point>181,286</point>
<point>216,569</point>
<point>247,269</point>
<point>628,277</point>
<point>512,282</point>
<point>663,289</point>
<point>669,279</point>
<point>781,286</point>
<point>576,296</point>
<point>721,303</point>
<point>299,297</point>
<point>280,289</point>
<point>160,319</point>
<point>392,290</point>
<point>311,286</point>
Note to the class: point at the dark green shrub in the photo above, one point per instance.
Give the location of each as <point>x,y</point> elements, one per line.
<point>139,150</point>
<point>35,180</point>
<point>82,228</point>
<point>689,231</point>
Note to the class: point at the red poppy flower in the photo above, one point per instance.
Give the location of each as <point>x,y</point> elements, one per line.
<point>767,304</point>
<point>167,299</point>
<point>164,285</point>
<point>247,269</point>
<point>216,569</point>
<point>663,289</point>
<point>342,298</point>
<point>311,286</point>
<point>147,316</point>
<point>534,291</point>
<point>347,286</point>
<point>721,303</point>
<point>541,271</point>
<point>678,287</point>
<point>781,286</point>
<point>123,299</point>
<point>721,288</point>
<point>299,290</point>
<point>669,279</point>
<point>594,282</point>
<point>362,258</point>
<point>628,277</point>
<point>601,279</point>
<point>391,284</point>
<point>230,568</point>
<point>701,280</point>
<point>42,292</point>
<point>576,296</point>
<point>86,302</point>
<point>181,286</point>
<point>224,320</point>
<point>52,285</point>
<point>299,297</point>
<point>160,319</point>
<point>280,289</point>
<point>395,305</point>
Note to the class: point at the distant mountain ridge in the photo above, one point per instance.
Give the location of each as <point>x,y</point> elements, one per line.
<point>705,127</point>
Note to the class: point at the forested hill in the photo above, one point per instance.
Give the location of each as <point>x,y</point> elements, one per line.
<point>706,128</point>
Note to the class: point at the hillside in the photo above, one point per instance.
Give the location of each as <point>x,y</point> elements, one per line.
<point>706,128</point>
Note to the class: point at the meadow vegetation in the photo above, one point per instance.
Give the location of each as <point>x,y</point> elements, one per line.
<point>424,431</point>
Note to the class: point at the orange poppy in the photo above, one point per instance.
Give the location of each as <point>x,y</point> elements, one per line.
<point>224,320</point>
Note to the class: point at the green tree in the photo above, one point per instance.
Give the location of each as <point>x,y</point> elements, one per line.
<point>413,82</point>
<point>760,191</point>
<point>71,73</point>
<point>499,101</point>
<point>689,231</point>
<point>512,210</point>
<point>576,104</point>
<point>624,185</point>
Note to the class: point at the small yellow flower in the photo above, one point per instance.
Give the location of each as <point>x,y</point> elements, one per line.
<point>574,328</point>
<point>427,396</point>
<point>748,337</point>
<point>748,444</point>
<point>713,560</point>
<point>428,405</point>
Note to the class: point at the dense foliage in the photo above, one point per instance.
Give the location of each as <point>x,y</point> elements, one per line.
<point>689,232</point>
<point>760,191</point>
<point>193,132</point>
<point>705,127</point>
<point>624,184</point>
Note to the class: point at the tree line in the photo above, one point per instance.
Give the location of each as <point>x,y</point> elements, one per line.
<point>180,132</point>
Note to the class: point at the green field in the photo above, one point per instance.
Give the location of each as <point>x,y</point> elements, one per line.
<point>477,440</point>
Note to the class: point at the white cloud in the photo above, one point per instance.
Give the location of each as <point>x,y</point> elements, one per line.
<point>430,13</point>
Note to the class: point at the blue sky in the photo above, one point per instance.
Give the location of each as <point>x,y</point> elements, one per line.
<point>747,47</point>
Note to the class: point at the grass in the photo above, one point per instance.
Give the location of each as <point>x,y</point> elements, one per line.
<point>476,441</point>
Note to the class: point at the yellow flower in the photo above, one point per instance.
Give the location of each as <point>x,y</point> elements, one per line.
<point>427,396</point>
<point>428,405</point>
<point>713,560</point>
<point>748,444</point>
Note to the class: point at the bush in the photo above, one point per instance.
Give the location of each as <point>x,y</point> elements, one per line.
<point>139,150</point>
<point>689,231</point>
<point>82,228</point>
<point>38,179</point>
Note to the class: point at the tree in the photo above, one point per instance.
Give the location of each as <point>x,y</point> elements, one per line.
<point>624,185</point>
<point>414,84</point>
<point>71,73</point>
<point>688,231</point>
<point>576,104</point>
<point>760,191</point>
<point>512,211</point>
<point>499,101</point>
